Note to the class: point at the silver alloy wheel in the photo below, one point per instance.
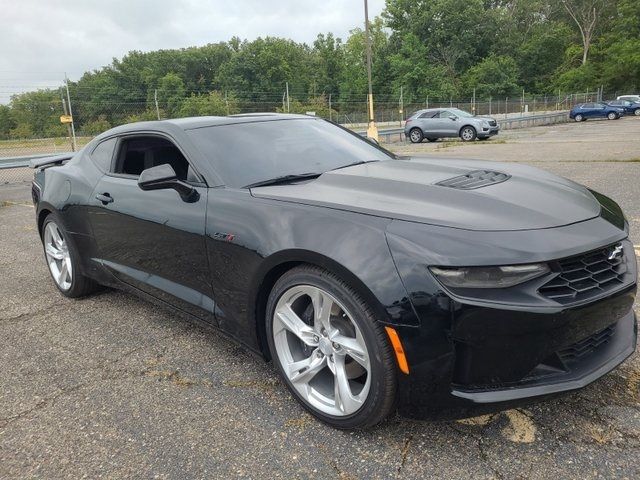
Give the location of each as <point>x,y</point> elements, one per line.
<point>578,118</point>
<point>611,116</point>
<point>467,134</point>
<point>321,350</point>
<point>58,257</point>
<point>636,112</point>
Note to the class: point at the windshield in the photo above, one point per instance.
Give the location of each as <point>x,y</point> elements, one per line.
<point>461,113</point>
<point>248,153</point>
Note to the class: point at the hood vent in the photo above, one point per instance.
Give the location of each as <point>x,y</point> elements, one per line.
<point>475,179</point>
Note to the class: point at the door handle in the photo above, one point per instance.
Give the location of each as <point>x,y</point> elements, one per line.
<point>104,198</point>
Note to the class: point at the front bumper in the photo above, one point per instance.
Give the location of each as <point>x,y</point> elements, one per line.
<point>486,132</point>
<point>493,359</point>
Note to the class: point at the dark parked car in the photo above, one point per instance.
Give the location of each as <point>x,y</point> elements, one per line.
<point>372,282</point>
<point>632,108</point>
<point>436,123</point>
<point>584,111</point>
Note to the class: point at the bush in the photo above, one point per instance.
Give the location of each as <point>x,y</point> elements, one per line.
<point>319,105</point>
<point>22,130</point>
<point>212,104</point>
<point>96,127</point>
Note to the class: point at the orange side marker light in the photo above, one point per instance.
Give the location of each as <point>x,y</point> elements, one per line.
<point>398,350</point>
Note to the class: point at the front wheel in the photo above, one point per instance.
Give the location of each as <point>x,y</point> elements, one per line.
<point>415,135</point>
<point>468,134</point>
<point>329,349</point>
<point>578,118</point>
<point>612,116</point>
<point>636,112</point>
<point>63,260</point>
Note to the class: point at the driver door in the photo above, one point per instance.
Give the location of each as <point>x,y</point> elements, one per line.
<point>153,240</point>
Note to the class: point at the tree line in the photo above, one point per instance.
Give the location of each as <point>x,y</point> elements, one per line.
<point>438,49</point>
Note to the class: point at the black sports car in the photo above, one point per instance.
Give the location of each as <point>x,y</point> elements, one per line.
<point>373,282</point>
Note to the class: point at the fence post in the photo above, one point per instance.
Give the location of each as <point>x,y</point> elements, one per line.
<point>155,100</point>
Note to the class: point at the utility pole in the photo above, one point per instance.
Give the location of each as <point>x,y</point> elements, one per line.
<point>489,104</point>
<point>372,130</point>
<point>155,99</point>
<point>426,103</point>
<point>330,113</point>
<point>66,112</point>
<point>226,102</point>
<point>73,128</point>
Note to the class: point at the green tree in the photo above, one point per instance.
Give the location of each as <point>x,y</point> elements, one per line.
<point>7,122</point>
<point>171,93</point>
<point>494,76</point>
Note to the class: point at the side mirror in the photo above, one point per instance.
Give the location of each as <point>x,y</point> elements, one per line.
<point>162,177</point>
<point>453,118</point>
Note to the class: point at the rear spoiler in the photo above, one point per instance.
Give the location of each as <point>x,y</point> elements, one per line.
<point>51,161</point>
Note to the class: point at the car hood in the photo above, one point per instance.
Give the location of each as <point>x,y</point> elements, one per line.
<point>528,198</point>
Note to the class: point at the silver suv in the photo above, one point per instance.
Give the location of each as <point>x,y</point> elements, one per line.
<point>436,123</point>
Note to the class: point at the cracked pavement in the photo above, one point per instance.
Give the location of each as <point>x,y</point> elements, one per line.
<point>111,386</point>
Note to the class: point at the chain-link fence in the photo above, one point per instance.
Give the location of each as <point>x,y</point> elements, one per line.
<point>40,131</point>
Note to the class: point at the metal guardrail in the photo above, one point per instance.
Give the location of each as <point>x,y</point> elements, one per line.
<point>21,161</point>
<point>505,123</point>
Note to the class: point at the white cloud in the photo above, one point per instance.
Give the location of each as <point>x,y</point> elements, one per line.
<point>40,40</point>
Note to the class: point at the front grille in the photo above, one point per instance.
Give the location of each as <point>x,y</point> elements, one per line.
<point>492,123</point>
<point>587,346</point>
<point>475,179</point>
<point>585,276</point>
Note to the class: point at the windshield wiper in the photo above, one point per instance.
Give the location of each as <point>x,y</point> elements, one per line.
<point>359,162</point>
<point>284,179</point>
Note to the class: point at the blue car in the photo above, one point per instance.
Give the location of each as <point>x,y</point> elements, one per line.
<point>583,111</point>
<point>632,108</point>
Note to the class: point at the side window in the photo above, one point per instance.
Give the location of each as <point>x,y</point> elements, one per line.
<point>427,115</point>
<point>139,153</point>
<point>103,154</point>
<point>446,114</point>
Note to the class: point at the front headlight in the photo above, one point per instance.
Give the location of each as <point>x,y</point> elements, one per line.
<point>489,277</point>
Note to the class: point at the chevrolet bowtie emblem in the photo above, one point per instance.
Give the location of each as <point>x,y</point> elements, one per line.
<point>615,252</point>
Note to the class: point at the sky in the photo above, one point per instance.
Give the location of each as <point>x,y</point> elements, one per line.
<point>41,40</point>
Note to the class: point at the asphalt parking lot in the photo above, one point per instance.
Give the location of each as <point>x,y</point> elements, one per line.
<point>111,386</point>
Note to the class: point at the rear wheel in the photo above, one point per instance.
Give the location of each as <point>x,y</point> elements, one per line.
<point>63,260</point>
<point>468,134</point>
<point>329,349</point>
<point>578,118</point>
<point>415,135</point>
<point>636,112</point>
<point>612,115</point>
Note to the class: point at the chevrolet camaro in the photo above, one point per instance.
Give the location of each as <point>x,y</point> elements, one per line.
<point>374,283</point>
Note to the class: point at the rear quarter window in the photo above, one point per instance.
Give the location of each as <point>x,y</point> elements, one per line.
<point>103,154</point>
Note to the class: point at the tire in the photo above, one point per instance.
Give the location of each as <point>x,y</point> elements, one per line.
<point>371,394</point>
<point>416,135</point>
<point>612,116</point>
<point>468,134</point>
<point>431,139</point>
<point>61,255</point>
<point>579,118</point>
<point>636,112</point>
